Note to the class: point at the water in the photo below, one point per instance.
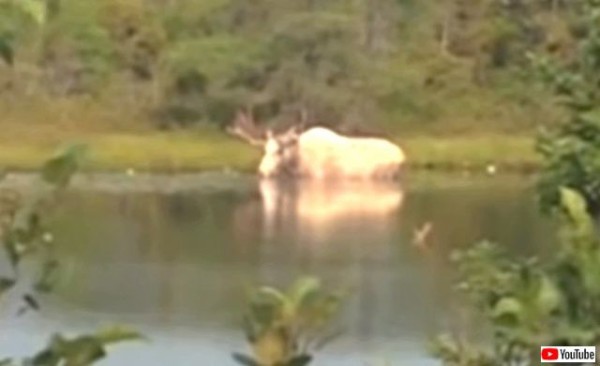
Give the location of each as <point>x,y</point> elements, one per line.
<point>172,256</point>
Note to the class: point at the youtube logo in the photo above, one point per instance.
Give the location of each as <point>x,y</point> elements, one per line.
<point>549,354</point>
<point>577,354</point>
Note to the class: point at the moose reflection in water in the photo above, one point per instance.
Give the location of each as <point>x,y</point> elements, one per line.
<point>318,209</point>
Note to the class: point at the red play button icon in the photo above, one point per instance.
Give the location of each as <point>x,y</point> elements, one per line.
<point>549,354</point>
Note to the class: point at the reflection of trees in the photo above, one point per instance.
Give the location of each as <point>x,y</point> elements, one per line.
<point>464,216</point>
<point>149,215</point>
<point>171,231</point>
<point>246,221</point>
<point>128,248</point>
<point>167,257</point>
<point>461,217</point>
<point>189,255</point>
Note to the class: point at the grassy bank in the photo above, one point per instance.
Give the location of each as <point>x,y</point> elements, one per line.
<point>512,153</point>
<point>210,149</point>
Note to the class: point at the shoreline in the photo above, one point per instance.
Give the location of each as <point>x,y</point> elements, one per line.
<point>244,184</point>
<point>193,152</point>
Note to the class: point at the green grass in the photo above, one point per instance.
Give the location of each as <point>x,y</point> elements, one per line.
<point>144,151</point>
<point>208,149</point>
<point>471,152</point>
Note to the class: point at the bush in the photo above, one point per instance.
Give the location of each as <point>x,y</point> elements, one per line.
<point>572,151</point>
<point>528,304</point>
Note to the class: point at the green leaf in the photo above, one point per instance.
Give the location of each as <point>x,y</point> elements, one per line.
<point>244,360</point>
<point>60,168</point>
<point>6,284</point>
<point>36,9</point>
<point>82,351</point>
<point>27,224</point>
<point>44,358</point>
<point>304,290</point>
<point>6,49</point>
<point>270,295</point>
<point>50,356</point>
<point>574,205</point>
<point>251,329</point>
<point>118,334</point>
<point>12,252</point>
<point>287,324</point>
<point>301,360</point>
<point>577,334</point>
<point>507,308</point>
<point>267,306</point>
<point>549,297</point>
<point>48,276</point>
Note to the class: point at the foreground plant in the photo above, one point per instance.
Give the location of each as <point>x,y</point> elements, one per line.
<point>571,152</point>
<point>528,304</point>
<point>284,328</point>
<point>24,235</point>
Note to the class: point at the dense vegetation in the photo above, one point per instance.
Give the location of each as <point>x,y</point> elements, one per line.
<point>528,304</point>
<point>572,151</point>
<point>403,65</point>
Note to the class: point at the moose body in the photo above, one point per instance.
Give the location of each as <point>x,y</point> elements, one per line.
<point>320,153</point>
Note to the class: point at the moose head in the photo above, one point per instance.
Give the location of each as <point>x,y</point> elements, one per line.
<point>279,149</point>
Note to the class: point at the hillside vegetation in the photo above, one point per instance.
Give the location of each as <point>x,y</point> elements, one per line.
<point>406,67</point>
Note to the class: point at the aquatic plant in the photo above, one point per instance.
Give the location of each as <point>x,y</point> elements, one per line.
<point>285,328</point>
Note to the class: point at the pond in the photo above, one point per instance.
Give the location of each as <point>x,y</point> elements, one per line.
<point>173,256</point>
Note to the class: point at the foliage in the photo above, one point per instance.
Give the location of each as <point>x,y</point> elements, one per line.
<point>23,234</point>
<point>528,304</point>
<point>13,16</point>
<point>352,63</point>
<point>572,151</point>
<point>284,328</point>
<point>79,351</point>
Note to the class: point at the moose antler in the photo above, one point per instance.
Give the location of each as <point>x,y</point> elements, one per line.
<point>290,134</point>
<point>245,128</point>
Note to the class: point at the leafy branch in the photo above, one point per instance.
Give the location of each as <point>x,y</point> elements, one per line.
<point>528,304</point>
<point>23,234</point>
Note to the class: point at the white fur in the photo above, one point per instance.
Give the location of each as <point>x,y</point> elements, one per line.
<point>320,153</point>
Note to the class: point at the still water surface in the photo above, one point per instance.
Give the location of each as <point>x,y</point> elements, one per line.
<point>172,256</point>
